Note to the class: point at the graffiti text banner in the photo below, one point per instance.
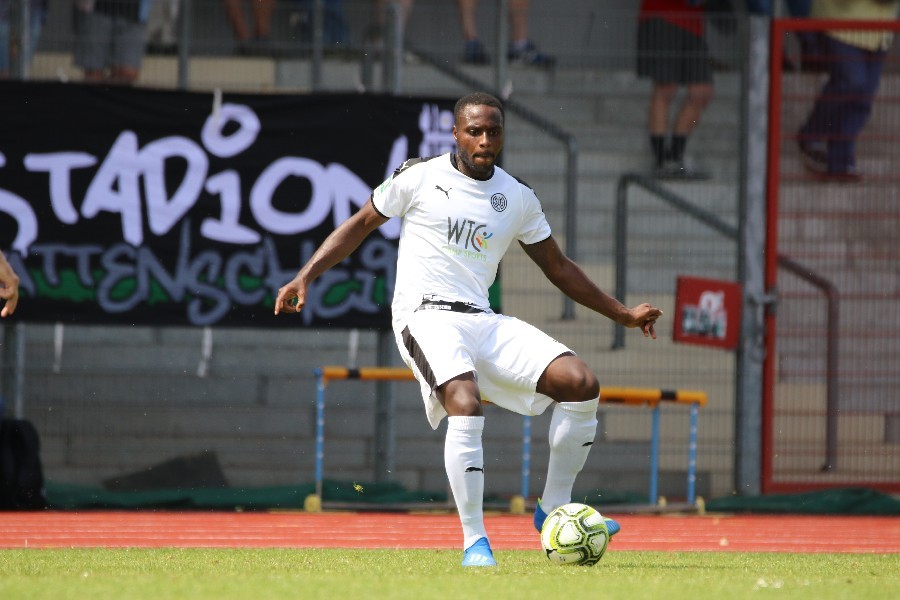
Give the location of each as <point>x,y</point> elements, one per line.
<point>139,206</point>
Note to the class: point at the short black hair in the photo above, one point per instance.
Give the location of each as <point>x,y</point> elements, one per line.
<point>477,99</point>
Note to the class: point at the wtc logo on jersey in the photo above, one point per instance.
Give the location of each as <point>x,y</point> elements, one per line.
<point>498,202</point>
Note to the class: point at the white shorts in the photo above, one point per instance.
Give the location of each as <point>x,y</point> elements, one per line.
<point>507,355</point>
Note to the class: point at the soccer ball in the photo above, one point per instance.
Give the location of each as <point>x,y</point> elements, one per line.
<point>574,534</point>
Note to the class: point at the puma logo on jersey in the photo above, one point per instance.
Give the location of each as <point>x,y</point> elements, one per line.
<point>473,469</point>
<point>446,192</point>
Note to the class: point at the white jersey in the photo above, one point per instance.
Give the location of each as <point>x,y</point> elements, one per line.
<point>455,229</point>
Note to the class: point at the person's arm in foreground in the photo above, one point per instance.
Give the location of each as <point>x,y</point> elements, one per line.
<point>566,275</point>
<point>9,287</point>
<point>336,247</point>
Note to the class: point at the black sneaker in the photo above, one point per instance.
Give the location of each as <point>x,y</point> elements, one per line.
<point>815,156</point>
<point>474,53</point>
<point>529,55</point>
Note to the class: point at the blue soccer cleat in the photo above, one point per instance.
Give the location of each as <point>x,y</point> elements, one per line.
<point>612,526</point>
<point>479,555</point>
<point>540,516</point>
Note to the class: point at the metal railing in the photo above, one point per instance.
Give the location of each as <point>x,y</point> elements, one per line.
<point>709,219</point>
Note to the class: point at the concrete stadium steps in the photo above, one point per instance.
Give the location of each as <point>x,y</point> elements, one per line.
<point>144,350</point>
<point>606,163</point>
<point>814,199</point>
<point>868,462</point>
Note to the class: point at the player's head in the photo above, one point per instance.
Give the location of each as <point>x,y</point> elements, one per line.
<point>477,99</point>
<point>478,131</point>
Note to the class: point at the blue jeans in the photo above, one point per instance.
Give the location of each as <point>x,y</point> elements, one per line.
<point>36,21</point>
<point>845,102</point>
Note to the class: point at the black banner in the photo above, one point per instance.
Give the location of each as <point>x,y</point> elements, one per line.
<point>134,206</point>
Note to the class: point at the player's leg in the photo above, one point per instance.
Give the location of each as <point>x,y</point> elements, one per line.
<point>464,462</point>
<point>573,426</point>
<point>522,369</point>
<point>436,346</point>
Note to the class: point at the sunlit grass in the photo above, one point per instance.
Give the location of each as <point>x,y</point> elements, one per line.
<point>256,574</point>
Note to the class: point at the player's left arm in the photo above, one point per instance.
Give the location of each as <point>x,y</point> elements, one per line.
<point>571,280</point>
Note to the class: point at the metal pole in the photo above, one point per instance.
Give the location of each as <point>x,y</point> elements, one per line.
<point>501,66</point>
<point>14,368</point>
<point>526,455</point>
<point>832,397</point>
<point>19,378</point>
<point>692,456</point>
<point>750,353</point>
<point>393,48</point>
<point>184,44</point>
<point>654,457</point>
<point>320,428</point>
<point>22,67</point>
<point>385,446</point>
<point>621,255</point>
<point>318,43</point>
<point>571,215</point>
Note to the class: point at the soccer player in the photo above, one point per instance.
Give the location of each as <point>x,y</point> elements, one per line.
<point>460,212</point>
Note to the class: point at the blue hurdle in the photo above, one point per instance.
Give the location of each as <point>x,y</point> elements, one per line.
<point>650,397</point>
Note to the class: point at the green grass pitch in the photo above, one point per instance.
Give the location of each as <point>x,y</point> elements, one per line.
<point>257,574</point>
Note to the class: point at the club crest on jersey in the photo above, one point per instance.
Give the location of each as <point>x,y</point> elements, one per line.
<point>498,202</point>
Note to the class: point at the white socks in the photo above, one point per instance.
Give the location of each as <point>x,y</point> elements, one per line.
<point>464,462</point>
<point>572,430</point>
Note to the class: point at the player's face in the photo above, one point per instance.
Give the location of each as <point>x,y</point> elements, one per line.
<point>479,138</point>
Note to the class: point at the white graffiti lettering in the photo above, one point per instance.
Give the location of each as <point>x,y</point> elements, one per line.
<point>212,282</point>
<point>130,174</point>
<point>59,165</point>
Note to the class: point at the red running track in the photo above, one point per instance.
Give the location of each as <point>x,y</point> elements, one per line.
<point>389,530</point>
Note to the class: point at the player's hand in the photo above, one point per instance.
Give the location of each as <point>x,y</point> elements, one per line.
<point>644,316</point>
<point>291,298</point>
<point>12,299</point>
<point>9,287</point>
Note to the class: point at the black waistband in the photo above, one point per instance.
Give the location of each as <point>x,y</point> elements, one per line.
<point>458,307</point>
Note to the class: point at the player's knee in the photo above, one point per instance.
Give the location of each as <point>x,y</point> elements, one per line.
<point>460,396</point>
<point>459,407</point>
<point>586,386</point>
<point>581,384</point>
<point>569,379</point>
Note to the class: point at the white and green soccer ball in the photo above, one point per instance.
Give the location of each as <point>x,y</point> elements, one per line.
<point>574,534</point>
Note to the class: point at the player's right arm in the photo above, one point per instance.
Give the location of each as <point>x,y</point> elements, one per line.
<point>9,287</point>
<point>337,246</point>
